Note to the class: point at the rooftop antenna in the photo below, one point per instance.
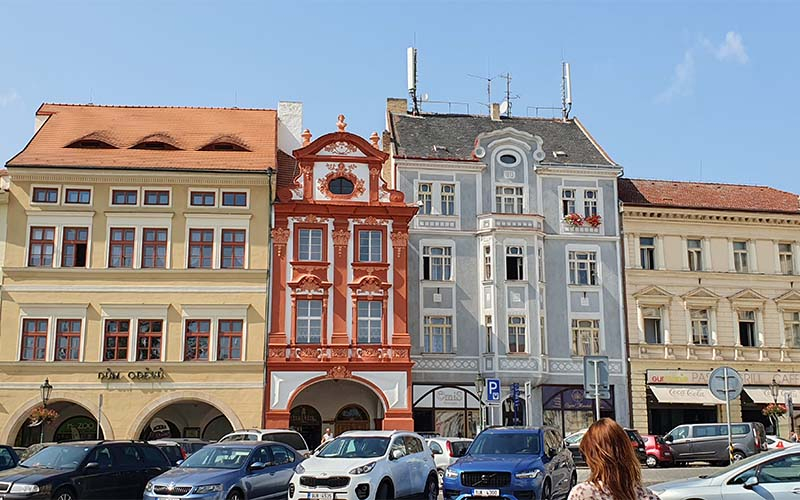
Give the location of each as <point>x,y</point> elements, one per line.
<point>488,80</point>
<point>411,59</point>
<point>566,91</point>
<point>505,106</point>
<point>91,96</point>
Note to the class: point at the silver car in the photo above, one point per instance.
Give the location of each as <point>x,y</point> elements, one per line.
<point>446,451</point>
<point>770,475</point>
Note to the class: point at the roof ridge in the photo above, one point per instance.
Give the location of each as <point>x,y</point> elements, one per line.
<point>707,183</point>
<point>133,106</point>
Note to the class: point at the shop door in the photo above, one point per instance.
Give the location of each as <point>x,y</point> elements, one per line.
<point>307,421</point>
<point>352,418</point>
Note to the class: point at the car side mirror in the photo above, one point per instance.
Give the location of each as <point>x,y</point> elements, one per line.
<point>437,452</point>
<point>179,462</point>
<point>396,454</point>
<point>258,466</point>
<point>668,438</point>
<point>751,483</point>
<point>91,466</point>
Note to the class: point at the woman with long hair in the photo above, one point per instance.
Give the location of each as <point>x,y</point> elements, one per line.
<point>615,472</point>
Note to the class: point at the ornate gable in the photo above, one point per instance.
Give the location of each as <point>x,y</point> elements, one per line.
<point>653,295</point>
<point>701,296</point>
<point>748,294</point>
<point>789,300</point>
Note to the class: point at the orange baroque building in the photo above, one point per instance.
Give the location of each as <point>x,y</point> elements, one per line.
<point>338,343</point>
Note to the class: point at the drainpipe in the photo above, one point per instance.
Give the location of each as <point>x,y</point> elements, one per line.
<point>624,325</point>
<point>267,302</point>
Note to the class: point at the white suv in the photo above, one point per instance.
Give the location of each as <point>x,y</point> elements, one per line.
<point>285,436</point>
<point>367,465</point>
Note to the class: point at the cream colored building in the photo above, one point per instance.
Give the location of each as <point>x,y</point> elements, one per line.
<point>711,278</point>
<point>136,271</point>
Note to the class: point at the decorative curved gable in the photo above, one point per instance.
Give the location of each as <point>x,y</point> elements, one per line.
<point>510,136</point>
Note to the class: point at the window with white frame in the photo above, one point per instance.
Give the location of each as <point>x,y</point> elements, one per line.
<point>567,202</point>
<point>309,244</point>
<point>229,339</point>
<point>647,252</point>
<point>370,245</point>
<point>653,331</point>
<point>41,246</point>
<point>156,197</point>
<point>700,326</point>
<point>589,202</point>
<point>308,329</point>
<point>542,333</point>
<point>786,258</point>
<point>509,200</point>
<point>448,199</point>
<point>582,268</point>
<point>540,262</point>
<point>425,197</point>
<point>740,258</point>
<point>370,321</point>
<point>515,263</point>
<point>123,197</point>
<point>487,262</point>
<point>34,339</point>
<point>694,247</point>
<point>517,334</point>
<point>149,338</point>
<point>585,337</point>
<point>78,196</point>
<point>437,263</point>
<point>791,328</point>
<point>748,334</point>
<point>438,332</point>
<point>489,334</point>
<point>68,339</point>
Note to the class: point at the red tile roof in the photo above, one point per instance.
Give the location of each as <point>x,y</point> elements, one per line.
<point>188,129</point>
<point>702,195</point>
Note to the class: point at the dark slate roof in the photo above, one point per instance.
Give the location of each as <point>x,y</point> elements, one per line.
<point>452,137</point>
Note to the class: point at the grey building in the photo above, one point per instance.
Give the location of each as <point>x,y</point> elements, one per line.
<point>514,268</point>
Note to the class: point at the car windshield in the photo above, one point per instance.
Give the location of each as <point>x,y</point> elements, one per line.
<point>574,438</point>
<point>355,447</point>
<point>459,448</point>
<point>506,443</point>
<point>58,457</point>
<point>218,457</point>
<point>744,462</point>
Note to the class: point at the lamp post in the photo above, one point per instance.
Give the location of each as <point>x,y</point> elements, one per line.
<point>46,389</point>
<point>480,383</point>
<point>775,389</point>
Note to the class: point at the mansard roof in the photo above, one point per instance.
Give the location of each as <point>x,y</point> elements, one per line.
<point>452,137</point>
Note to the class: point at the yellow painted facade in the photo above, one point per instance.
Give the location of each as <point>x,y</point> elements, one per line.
<point>196,398</point>
<point>687,316</point>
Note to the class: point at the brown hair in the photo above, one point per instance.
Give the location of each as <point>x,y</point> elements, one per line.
<point>611,459</point>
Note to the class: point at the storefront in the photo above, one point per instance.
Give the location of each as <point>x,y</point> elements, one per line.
<point>452,411</point>
<point>565,408</point>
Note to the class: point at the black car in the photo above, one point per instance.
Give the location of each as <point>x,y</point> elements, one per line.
<point>8,457</point>
<point>85,469</point>
<point>573,443</point>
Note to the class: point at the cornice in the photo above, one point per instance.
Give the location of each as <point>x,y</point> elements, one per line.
<point>723,217</point>
<point>448,165</point>
<point>579,170</point>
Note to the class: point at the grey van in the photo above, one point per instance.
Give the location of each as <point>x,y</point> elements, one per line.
<point>709,442</point>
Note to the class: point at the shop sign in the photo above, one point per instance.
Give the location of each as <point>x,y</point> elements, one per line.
<point>450,398</point>
<point>697,377</point>
<point>134,376</point>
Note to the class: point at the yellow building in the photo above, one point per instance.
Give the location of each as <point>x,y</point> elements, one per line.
<point>135,271</point>
<point>711,279</point>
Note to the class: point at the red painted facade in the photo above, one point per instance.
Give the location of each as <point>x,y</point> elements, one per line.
<point>340,200</point>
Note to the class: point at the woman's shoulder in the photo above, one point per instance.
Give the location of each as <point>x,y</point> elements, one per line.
<point>646,494</point>
<point>585,491</point>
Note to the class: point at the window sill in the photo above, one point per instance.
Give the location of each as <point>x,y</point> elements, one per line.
<point>584,288</point>
<point>521,282</point>
<point>445,282</point>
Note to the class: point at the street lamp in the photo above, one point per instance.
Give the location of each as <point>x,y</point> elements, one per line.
<point>480,383</point>
<point>46,389</point>
<point>775,390</point>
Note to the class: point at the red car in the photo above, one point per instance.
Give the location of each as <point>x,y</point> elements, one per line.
<point>658,452</point>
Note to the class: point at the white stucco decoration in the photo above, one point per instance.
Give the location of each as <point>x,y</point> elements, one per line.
<point>393,384</point>
<point>496,138</point>
<point>283,385</point>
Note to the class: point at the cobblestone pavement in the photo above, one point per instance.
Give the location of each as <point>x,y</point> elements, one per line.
<point>661,475</point>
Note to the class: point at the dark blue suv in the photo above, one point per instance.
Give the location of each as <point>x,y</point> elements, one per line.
<point>512,463</point>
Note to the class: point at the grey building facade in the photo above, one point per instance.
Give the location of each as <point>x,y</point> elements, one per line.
<point>514,267</point>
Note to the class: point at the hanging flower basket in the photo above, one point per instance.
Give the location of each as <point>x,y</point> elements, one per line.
<point>593,220</point>
<point>42,415</point>
<point>574,220</point>
<point>774,410</point>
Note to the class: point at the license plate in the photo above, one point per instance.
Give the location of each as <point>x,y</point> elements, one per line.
<point>485,493</point>
<point>320,496</point>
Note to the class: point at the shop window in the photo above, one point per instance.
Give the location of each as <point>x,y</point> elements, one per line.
<point>653,333</point>
<point>695,250</point>
<point>120,251</point>
<point>229,339</point>
<point>154,248</point>
<point>309,245</point>
<point>370,245</point>
<point>77,196</point>
<point>41,246</point>
<point>197,339</point>
<point>791,328</point>
<point>582,268</point>
<point>34,339</point>
<point>517,334</point>
<point>786,258</point>
<point>438,332</point>
<point>124,197</point>
<point>115,342</point>
<point>585,337</point>
<point>508,200</point>
<point>370,322</point>
<point>74,247</point>
<point>308,329</point>
<point>700,326</point>
<point>647,252</point>
<point>233,248</point>
<point>740,257</point>
<point>437,263</point>
<point>68,339</point>
<point>748,336</point>
<point>45,195</point>
<point>515,263</point>
<point>148,339</point>
<point>201,248</point>
<point>425,197</point>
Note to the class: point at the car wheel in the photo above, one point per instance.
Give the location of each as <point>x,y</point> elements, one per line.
<point>547,493</point>
<point>431,488</point>
<point>384,492</point>
<point>234,495</point>
<point>64,494</point>
<point>651,461</point>
<point>738,455</point>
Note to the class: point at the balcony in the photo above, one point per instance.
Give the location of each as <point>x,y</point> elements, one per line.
<point>585,229</point>
<point>510,222</point>
<point>712,353</point>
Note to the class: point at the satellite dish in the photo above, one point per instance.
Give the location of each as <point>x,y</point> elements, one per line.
<point>503,107</point>
<point>425,97</point>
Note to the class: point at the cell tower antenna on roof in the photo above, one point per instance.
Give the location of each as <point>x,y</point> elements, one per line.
<point>411,61</point>
<point>506,105</point>
<point>566,91</point>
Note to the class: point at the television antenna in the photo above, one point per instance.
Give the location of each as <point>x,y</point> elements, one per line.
<point>488,81</point>
<point>505,106</point>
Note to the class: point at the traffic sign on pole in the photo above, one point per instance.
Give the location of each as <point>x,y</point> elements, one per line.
<point>725,384</point>
<point>595,380</point>
<point>493,391</point>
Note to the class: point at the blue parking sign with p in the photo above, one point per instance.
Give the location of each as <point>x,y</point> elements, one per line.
<point>492,390</point>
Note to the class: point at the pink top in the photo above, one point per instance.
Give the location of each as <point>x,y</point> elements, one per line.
<point>588,491</point>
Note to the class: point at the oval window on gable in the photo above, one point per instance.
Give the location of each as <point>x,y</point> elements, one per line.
<point>509,159</point>
<point>341,185</point>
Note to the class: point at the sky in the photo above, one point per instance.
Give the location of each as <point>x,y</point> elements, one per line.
<point>689,90</point>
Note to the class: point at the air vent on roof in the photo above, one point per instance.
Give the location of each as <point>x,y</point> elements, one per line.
<point>157,145</point>
<point>223,146</point>
<point>437,148</point>
<point>560,154</point>
<point>90,144</point>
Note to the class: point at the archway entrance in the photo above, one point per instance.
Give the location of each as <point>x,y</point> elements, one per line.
<point>73,423</point>
<point>307,421</point>
<point>352,418</point>
<point>190,419</point>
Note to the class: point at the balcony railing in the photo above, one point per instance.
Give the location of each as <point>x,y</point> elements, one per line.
<point>712,352</point>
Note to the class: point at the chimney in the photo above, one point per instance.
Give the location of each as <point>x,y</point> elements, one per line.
<point>290,125</point>
<point>495,112</point>
<point>397,105</point>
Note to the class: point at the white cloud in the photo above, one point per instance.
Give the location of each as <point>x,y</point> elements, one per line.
<point>731,49</point>
<point>682,79</point>
<point>8,97</point>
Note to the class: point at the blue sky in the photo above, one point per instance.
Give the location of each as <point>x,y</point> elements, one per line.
<point>697,90</point>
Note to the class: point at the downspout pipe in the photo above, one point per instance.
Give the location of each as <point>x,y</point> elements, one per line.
<point>267,302</point>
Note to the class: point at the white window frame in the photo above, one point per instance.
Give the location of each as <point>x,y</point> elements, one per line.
<point>506,254</point>
<point>133,313</point>
<point>424,198</point>
<point>449,259</point>
<point>697,253</point>
<point>781,259</point>
<point>488,264</point>
<point>525,333</point>
<point>371,247</point>
<point>222,192</point>
<point>217,200</point>
<point>59,220</point>
<point>310,254</point>
<point>517,198</point>
<point>217,222</point>
<point>658,316</point>
<point>580,201</point>
<point>573,267</point>
<point>447,333</point>
<point>789,341</point>
<point>747,258</point>
<point>59,195</point>
<point>576,341</point>
<point>654,247</point>
<point>569,199</point>
<point>214,313</point>
<point>52,313</point>
<point>307,318</point>
<point>436,197</point>
<point>139,221</point>
<point>138,190</point>
<point>709,312</point>
<point>156,188</point>
<point>370,320</point>
<point>84,188</point>
<point>757,335</point>
<point>451,196</point>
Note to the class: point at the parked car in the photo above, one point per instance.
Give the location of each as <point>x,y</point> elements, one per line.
<point>252,470</point>
<point>8,457</point>
<point>709,442</point>
<point>171,449</point>
<point>446,451</point>
<point>658,452</point>
<point>769,475</point>
<point>512,462</point>
<point>367,465</point>
<point>33,450</point>
<point>285,436</point>
<point>84,469</point>
<point>190,445</point>
<point>573,442</point>
<point>775,442</point>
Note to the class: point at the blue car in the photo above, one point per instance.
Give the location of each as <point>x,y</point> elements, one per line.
<point>233,470</point>
<point>512,463</point>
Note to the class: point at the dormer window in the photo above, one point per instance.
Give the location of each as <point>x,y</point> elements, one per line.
<point>90,144</point>
<point>341,186</point>
<point>154,145</point>
<point>223,146</point>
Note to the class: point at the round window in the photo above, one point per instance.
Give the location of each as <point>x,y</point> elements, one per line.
<point>341,185</point>
<point>508,158</point>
